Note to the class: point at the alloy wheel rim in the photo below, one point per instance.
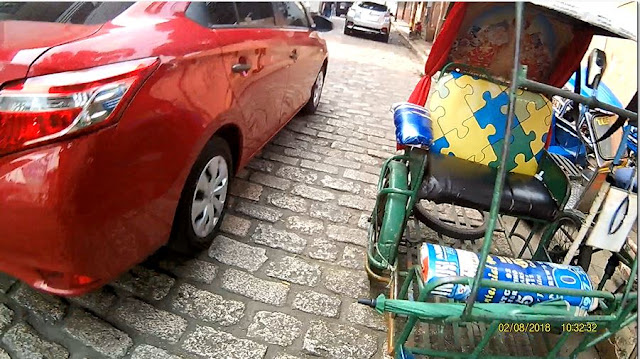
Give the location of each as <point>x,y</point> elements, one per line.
<point>209,196</point>
<point>317,89</point>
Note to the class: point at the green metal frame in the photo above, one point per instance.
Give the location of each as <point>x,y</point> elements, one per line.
<point>400,179</point>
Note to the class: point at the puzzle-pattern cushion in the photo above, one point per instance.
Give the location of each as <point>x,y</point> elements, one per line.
<point>469,115</point>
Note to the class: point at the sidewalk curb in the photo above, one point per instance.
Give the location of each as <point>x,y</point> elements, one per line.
<point>405,39</point>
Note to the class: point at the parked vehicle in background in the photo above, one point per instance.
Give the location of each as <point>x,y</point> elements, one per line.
<point>368,17</point>
<point>343,8</point>
<point>122,125</point>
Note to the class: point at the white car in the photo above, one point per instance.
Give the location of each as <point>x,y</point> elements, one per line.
<point>369,17</point>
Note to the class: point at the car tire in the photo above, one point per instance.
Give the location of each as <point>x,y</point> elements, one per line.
<point>194,229</point>
<point>385,38</point>
<point>316,91</point>
<point>347,31</point>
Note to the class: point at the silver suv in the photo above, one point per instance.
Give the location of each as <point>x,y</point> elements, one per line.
<point>369,17</point>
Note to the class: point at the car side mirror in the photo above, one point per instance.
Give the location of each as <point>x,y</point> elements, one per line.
<point>322,24</point>
<point>595,68</point>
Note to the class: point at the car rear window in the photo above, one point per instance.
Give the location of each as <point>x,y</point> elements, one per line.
<point>89,13</point>
<point>373,6</point>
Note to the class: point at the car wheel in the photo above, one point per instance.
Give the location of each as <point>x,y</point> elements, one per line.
<point>316,91</point>
<point>346,30</point>
<point>385,38</point>
<point>204,198</point>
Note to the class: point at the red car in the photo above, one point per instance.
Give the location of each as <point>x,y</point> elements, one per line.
<point>121,125</point>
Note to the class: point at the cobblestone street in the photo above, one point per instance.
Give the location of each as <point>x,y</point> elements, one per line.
<point>282,278</point>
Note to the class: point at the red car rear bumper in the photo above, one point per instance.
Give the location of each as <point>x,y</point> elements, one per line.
<point>70,219</point>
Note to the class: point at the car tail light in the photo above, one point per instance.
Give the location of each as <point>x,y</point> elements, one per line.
<point>44,108</point>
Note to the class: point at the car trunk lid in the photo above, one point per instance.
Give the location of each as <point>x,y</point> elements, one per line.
<point>22,42</point>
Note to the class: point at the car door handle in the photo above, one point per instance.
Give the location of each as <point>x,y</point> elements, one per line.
<point>240,68</point>
<point>294,54</point>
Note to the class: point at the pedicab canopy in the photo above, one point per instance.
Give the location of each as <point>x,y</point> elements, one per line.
<point>468,107</point>
<point>555,39</point>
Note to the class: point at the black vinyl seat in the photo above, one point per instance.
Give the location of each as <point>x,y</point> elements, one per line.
<point>449,179</point>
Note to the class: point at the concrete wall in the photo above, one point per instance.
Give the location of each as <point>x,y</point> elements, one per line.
<point>621,74</point>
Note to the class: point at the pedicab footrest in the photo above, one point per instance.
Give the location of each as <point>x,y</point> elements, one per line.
<point>413,125</point>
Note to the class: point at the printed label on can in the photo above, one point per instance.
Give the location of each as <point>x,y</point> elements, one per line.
<point>439,261</point>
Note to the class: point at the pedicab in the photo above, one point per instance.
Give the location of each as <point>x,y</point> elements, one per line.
<point>476,139</point>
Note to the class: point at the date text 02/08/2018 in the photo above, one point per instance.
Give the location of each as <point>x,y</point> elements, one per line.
<point>587,327</point>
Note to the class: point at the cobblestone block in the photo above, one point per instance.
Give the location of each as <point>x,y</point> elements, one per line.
<point>145,283</point>
<point>274,328</point>
<point>312,193</point>
<point>382,141</point>
<point>294,152</point>
<point>207,306</point>
<point>314,140</point>
<point>280,158</point>
<point>321,127</point>
<point>317,166</point>
<point>371,131</point>
<point>146,319</point>
<point>146,351</point>
<point>340,123</point>
<point>97,334</point>
<point>370,192</point>
<point>332,136</point>
<point>317,303</point>
<point>288,139</point>
<point>4,354</point>
<point>244,189</point>
<point>192,269</point>
<point>323,249</point>
<point>365,316</point>
<point>362,158</point>
<point>267,235</point>
<point>26,343</point>
<point>380,154</point>
<point>305,225</point>
<point>330,211</point>
<point>260,165</point>
<point>212,343</point>
<point>235,225</point>
<point>270,181</point>
<point>98,301</point>
<point>6,282</point>
<point>348,147</point>
<point>228,251</point>
<point>373,170</point>
<point>356,202</point>
<point>349,133</point>
<point>258,211</point>
<point>351,283</point>
<point>297,174</point>
<point>286,201</point>
<point>363,221</point>
<point>6,316</point>
<point>47,307</point>
<point>340,184</point>
<point>278,356</point>
<point>359,112</point>
<point>294,270</point>
<point>338,341</point>
<point>347,235</point>
<point>245,284</point>
<point>365,144</point>
<point>301,128</point>
<point>331,152</point>
<point>353,257</point>
<point>360,176</point>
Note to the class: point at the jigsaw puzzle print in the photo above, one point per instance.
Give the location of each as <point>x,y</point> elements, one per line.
<point>469,116</point>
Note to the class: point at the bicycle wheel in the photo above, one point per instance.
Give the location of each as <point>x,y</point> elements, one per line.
<point>451,220</point>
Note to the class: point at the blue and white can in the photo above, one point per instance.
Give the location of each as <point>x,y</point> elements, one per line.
<point>439,261</point>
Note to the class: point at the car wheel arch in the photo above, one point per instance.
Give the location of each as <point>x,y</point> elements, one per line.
<point>232,134</point>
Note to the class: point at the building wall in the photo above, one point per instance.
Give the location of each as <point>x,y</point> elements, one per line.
<point>621,74</point>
